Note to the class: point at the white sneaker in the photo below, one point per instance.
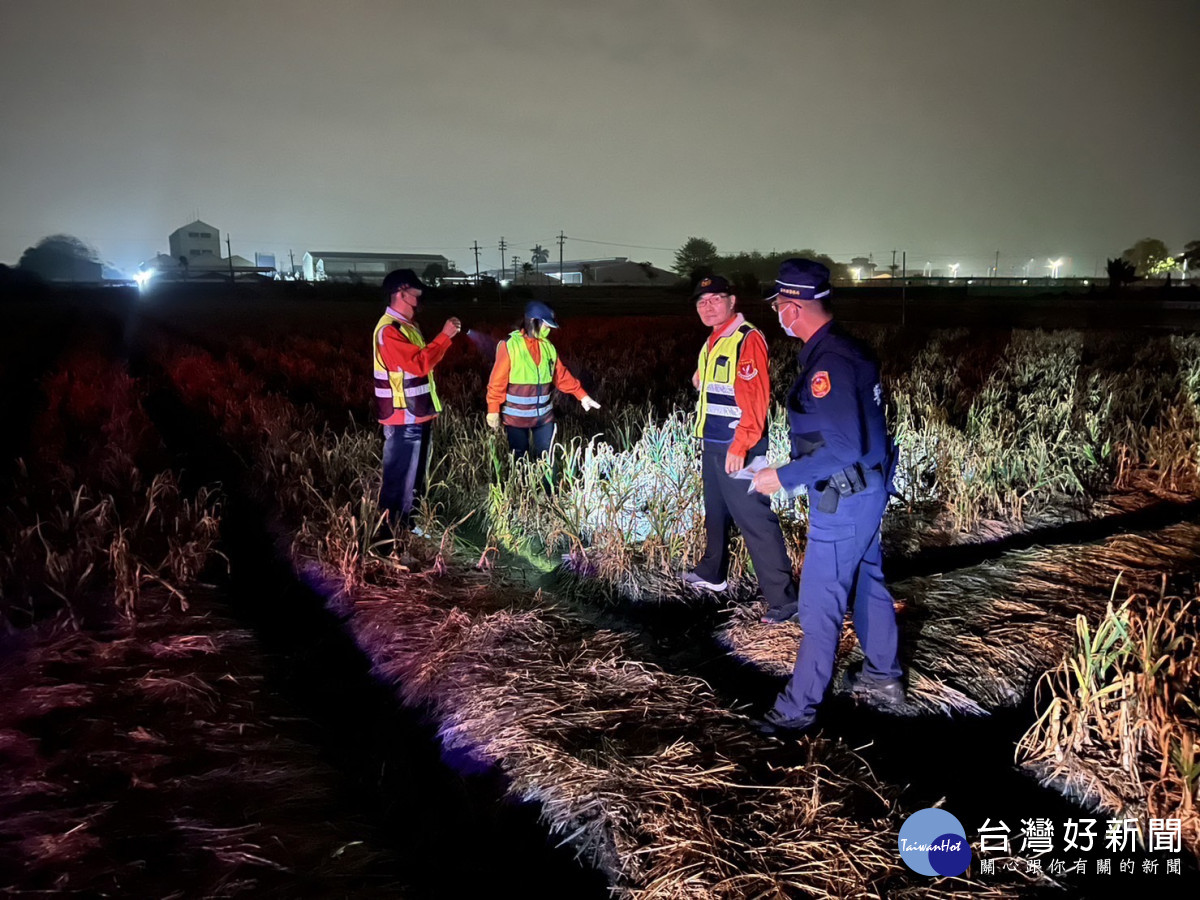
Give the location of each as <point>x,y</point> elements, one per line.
<point>694,580</point>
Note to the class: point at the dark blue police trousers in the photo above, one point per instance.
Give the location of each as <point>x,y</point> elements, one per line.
<point>405,463</point>
<point>842,560</point>
<point>726,502</point>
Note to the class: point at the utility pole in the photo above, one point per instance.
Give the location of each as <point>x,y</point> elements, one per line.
<point>229,251</point>
<point>904,289</point>
<point>562,239</point>
<point>475,247</point>
<point>503,247</point>
<point>996,268</point>
<point>292,261</point>
<point>893,266</point>
<point>514,261</point>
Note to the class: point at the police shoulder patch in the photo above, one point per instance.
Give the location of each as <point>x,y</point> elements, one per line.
<point>747,371</point>
<point>820,384</point>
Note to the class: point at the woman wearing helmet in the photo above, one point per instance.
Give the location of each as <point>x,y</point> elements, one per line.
<point>526,371</point>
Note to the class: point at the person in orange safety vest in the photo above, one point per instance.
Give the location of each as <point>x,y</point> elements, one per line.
<point>526,371</point>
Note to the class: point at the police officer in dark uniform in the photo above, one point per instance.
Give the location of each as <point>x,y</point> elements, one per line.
<point>842,453</point>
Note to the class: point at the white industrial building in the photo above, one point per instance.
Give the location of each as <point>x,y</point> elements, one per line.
<point>332,265</point>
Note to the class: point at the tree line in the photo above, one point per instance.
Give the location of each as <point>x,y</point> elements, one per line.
<point>698,257</point>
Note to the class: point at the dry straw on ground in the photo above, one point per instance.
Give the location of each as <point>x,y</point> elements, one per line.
<point>645,772</point>
<point>992,630</point>
<point>153,764</point>
<point>979,638</point>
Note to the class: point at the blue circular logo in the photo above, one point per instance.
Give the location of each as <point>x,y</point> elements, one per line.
<point>933,842</point>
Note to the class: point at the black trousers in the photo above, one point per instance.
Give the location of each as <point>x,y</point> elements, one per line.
<point>726,503</point>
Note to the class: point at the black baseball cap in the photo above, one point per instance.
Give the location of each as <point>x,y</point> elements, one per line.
<point>711,284</point>
<point>401,278</point>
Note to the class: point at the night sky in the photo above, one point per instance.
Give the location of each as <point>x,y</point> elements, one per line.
<point>947,129</point>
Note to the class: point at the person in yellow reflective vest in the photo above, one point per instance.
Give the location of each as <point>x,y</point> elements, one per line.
<point>406,399</point>
<point>731,419</point>
<point>526,371</point>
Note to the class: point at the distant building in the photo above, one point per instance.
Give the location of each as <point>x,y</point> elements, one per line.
<point>196,241</point>
<point>206,268</point>
<point>333,265</point>
<point>196,254</point>
<point>865,267</point>
<point>615,270</point>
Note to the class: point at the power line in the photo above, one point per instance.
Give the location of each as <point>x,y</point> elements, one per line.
<point>615,244</point>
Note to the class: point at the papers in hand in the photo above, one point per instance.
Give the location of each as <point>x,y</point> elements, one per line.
<point>752,468</point>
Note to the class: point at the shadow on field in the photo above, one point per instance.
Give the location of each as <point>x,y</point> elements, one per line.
<point>456,831</point>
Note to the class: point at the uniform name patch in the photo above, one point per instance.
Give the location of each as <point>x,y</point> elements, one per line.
<point>747,371</point>
<point>820,384</point>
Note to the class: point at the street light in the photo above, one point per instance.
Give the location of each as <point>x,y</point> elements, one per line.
<point>855,274</point>
<point>954,270</point>
<point>1055,265</point>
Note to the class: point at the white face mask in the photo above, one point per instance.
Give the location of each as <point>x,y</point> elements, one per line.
<point>786,330</point>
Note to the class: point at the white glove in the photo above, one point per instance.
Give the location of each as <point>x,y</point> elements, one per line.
<point>493,420</point>
<point>588,403</point>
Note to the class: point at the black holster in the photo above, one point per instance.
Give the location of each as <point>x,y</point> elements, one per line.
<point>842,483</point>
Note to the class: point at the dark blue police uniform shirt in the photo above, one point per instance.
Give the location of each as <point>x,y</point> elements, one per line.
<point>836,404</point>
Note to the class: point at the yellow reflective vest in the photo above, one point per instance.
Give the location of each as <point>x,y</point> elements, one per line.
<point>527,400</point>
<point>717,413</point>
<point>417,394</point>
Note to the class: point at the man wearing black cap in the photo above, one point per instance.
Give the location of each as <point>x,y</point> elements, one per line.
<point>406,399</point>
<point>731,416</point>
<point>842,452</point>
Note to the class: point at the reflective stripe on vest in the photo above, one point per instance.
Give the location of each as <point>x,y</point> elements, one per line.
<point>717,415</point>
<point>527,402</point>
<point>416,394</point>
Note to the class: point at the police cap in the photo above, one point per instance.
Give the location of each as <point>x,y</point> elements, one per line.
<point>801,279</point>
